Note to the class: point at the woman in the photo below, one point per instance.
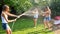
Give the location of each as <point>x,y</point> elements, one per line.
<point>4,16</point>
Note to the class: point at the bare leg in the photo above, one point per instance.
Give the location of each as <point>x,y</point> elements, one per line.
<point>45,24</point>
<point>35,22</point>
<point>49,25</point>
<point>9,31</point>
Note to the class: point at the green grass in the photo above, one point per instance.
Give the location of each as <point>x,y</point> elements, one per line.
<point>25,25</point>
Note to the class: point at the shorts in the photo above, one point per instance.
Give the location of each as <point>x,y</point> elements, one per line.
<point>35,16</point>
<point>47,18</point>
<point>5,26</point>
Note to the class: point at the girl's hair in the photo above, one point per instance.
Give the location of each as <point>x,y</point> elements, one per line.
<point>46,8</point>
<point>4,7</point>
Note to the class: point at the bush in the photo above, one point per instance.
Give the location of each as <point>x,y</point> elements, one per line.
<point>19,5</point>
<point>55,6</point>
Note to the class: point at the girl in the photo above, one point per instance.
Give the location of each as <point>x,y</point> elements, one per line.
<point>47,17</point>
<point>35,17</point>
<point>4,16</point>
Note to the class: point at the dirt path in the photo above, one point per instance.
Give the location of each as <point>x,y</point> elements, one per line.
<point>57,31</point>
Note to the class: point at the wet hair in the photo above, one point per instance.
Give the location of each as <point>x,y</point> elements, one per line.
<point>4,7</point>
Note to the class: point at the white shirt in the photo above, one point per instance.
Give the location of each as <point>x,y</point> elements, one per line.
<point>3,19</point>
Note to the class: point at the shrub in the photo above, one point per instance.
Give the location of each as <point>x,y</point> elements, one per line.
<point>19,5</point>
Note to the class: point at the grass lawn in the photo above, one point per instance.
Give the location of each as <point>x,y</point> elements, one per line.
<point>25,25</point>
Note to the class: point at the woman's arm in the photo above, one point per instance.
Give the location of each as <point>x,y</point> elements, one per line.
<point>49,9</point>
<point>3,14</point>
<point>11,14</point>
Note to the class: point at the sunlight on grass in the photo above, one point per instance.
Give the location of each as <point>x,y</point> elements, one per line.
<point>37,30</point>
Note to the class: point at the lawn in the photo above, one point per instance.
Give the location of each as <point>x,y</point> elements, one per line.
<point>25,25</point>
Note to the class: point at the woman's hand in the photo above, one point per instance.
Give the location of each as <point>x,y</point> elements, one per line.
<point>18,16</point>
<point>14,20</point>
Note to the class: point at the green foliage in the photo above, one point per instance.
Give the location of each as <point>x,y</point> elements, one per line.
<point>55,6</point>
<point>0,2</point>
<point>19,5</point>
<point>23,5</point>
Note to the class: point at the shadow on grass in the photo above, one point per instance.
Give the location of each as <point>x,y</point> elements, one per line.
<point>40,31</point>
<point>1,32</point>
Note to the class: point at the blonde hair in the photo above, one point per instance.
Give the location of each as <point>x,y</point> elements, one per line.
<point>4,7</point>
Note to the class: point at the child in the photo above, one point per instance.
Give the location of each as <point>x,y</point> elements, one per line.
<point>35,17</point>
<point>4,16</point>
<point>47,17</point>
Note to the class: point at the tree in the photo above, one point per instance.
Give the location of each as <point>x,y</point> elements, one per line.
<point>55,6</point>
<point>19,5</point>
